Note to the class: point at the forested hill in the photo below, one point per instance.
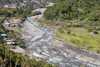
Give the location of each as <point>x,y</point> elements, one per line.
<point>74,9</point>
<point>76,21</point>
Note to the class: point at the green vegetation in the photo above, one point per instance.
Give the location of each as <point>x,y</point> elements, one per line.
<point>75,36</point>
<point>36,13</point>
<point>23,12</point>
<point>76,22</point>
<point>86,12</point>
<point>74,9</point>
<point>11,59</point>
<point>2,29</point>
<point>2,2</point>
<point>13,33</point>
<point>2,19</point>
<point>80,38</point>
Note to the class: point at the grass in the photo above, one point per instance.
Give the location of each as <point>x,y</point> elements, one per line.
<point>16,31</point>
<point>13,28</point>
<point>81,10</point>
<point>2,18</point>
<point>78,37</point>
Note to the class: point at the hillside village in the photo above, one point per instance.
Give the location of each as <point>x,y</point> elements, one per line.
<point>12,21</point>
<point>12,18</point>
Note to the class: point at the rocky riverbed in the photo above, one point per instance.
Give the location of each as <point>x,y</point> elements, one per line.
<point>43,46</point>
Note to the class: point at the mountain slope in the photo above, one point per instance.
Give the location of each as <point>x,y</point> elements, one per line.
<point>76,22</point>
<point>74,9</point>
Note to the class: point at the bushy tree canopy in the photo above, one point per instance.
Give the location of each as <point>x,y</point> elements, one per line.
<point>74,9</point>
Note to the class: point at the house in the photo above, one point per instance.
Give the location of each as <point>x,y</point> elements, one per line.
<point>12,6</point>
<point>9,41</point>
<point>6,6</point>
<point>14,24</point>
<point>16,20</point>
<point>4,35</point>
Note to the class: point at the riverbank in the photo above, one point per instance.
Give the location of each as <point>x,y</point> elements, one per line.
<point>30,32</point>
<point>58,53</point>
<point>80,54</point>
<point>18,49</point>
<point>77,53</point>
<point>75,36</point>
<point>55,51</point>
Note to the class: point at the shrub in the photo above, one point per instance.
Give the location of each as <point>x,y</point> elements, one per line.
<point>95,32</point>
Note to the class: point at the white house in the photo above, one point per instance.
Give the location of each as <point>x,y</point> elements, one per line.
<point>6,6</point>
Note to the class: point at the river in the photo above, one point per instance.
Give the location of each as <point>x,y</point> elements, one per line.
<point>53,54</point>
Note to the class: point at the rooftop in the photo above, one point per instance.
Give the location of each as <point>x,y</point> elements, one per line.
<point>16,19</point>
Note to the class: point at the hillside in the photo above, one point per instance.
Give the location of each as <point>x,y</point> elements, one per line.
<point>76,22</point>
<point>11,59</point>
<point>79,13</point>
<point>74,9</point>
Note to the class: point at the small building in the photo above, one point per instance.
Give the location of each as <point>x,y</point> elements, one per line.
<point>9,43</point>
<point>12,6</point>
<point>6,6</point>
<point>4,35</point>
<point>7,24</point>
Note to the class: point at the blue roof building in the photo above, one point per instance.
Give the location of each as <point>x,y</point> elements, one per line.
<point>7,24</point>
<point>4,35</point>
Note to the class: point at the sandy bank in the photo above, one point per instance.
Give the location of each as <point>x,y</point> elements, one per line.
<point>30,32</point>
<point>23,52</point>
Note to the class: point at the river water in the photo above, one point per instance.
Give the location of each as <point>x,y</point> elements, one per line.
<point>63,59</point>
